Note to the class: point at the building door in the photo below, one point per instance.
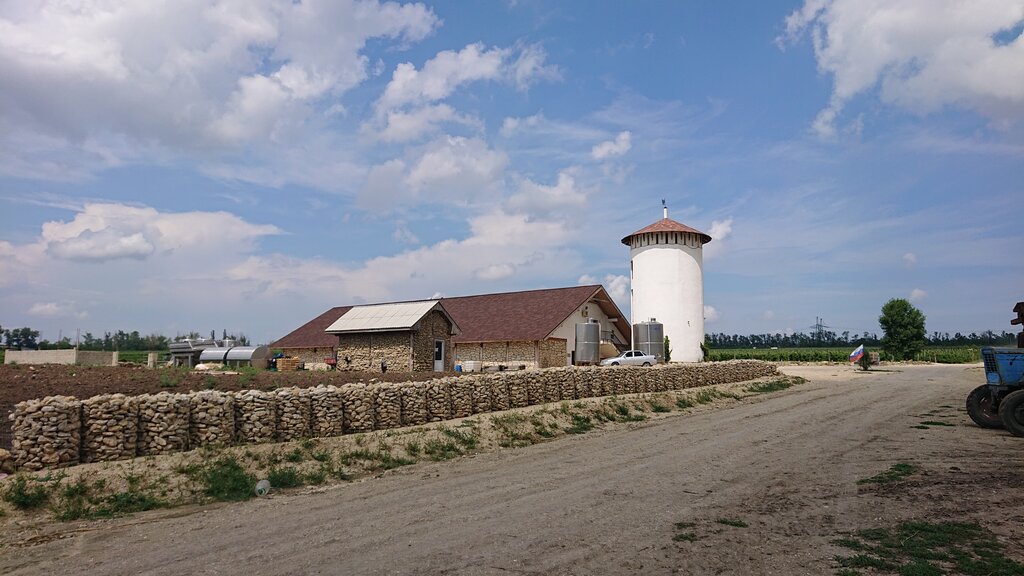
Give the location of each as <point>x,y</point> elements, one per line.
<point>438,355</point>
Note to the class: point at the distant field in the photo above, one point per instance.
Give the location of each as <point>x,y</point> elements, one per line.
<point>941,355</point>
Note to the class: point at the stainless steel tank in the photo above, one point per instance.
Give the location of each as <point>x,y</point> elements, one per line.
<point>588,343</point>
<point>650,338</point>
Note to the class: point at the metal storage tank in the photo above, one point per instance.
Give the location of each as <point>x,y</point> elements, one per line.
<point>588,343</point>
<point>650,338</point>
<point>255,356</point>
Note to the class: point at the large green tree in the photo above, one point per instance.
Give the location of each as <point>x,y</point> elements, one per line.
<point>903,325</point>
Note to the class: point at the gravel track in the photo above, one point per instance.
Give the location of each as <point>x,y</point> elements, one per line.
<point>606,502</point>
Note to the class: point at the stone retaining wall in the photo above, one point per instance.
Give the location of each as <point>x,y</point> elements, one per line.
<point>62,430</point>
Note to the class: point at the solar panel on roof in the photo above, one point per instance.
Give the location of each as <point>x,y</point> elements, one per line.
<point>402,316</point>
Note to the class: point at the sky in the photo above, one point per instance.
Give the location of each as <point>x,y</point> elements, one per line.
<point>244,165</point>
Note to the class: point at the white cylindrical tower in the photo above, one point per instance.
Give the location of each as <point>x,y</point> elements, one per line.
<point>667,279</point>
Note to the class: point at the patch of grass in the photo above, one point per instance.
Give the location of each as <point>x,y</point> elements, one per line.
<point>929,549</point>
<point>413,448</point>
<point>225,479</point>
<point>920,427</point>
<point>284,477</point>
<point>731,522</point>
<point>437,449</point>
<point>684,402</point>
<point>935,423</point>
<point>659,407</point>
<point>770,386</point>
<point>377,459</point>
<point>295,456</point>
<point>512,430</point>
<point>467,440</point>
<point>685,537</point>
<point>542,429</point>
<point>321,456</point>
<point>309,444</point>
<point>623,414</point>
<point>23,496</point>
<point>127,502</point>
<point>894,474</point>
<point>581,424</point>
<point>684,525</point>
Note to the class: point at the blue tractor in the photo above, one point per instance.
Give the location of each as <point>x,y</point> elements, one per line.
<point>999,403</point>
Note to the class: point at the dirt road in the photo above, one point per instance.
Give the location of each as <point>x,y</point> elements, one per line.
<point>607,502</point>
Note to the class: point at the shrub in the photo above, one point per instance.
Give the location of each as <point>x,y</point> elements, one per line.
<point>25,497</point>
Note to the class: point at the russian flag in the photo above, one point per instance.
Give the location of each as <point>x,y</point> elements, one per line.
<point>857,354</point>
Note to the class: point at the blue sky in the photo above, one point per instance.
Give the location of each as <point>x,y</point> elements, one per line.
<point>246,165</point>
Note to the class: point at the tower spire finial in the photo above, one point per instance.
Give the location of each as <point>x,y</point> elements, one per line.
<point>664,209</point>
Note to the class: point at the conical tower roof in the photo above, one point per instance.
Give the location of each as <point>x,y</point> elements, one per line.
<point>667,224</point>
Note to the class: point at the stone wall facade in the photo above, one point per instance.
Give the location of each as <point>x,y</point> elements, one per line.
<point>365,352</point>
<point>311,355</point>
<point>552,353</point>
<point>433,327</point>
<point>62,431</point>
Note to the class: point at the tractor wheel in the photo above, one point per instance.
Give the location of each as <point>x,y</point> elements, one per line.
<point>647,363</point>
<point>1011,411</point>
<point>981,410</point>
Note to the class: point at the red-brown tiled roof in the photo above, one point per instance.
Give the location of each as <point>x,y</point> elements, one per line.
<point>311,334</point>
<point>667,225</point>
<point>509,316</point>
<point>529,315</point>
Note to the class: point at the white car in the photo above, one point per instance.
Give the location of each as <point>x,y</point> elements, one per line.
<point>631,358</point>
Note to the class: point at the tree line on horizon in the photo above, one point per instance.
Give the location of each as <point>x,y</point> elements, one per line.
<point>830,339</point>
<point>27,338</point>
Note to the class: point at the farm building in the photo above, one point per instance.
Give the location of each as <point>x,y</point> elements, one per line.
<point>533,328</point>
<point>404,337</point>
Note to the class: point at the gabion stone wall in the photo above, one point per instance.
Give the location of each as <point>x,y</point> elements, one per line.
<point>47,432</point>
<point>163,423</point>
<point>110,427</point>
<point>61,430</point>
<point>294,414</point>
<point>211,418</point>
<point>255,416</point>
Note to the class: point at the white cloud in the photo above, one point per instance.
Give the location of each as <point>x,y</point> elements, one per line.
<point>441,75</point>
<point>405,126</point>
<point>499,245</point>
<point>403,235</point>
<point>586,279</point>
<point>617,286</point>
<point>529,67</point>
<point>710,314</point>
<point>55,310</point>
<point>547,201</point>
<point>205,78</point>
<point>451,169</point>
<point>720,231</point>
<point>768,315</point>
<point>910,259</point>
<point>916,295</point>
<point>495,272</point>
<point>101,232</point>
<point>921,56</point>
<point>611,148</point>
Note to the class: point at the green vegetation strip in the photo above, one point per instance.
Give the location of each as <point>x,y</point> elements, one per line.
<point>894,474</point>
<point>926,549</point>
